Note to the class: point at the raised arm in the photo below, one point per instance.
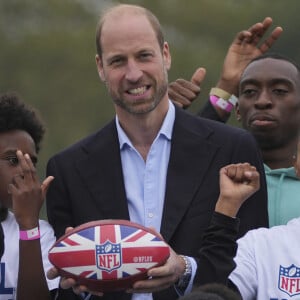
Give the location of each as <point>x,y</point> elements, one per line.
<point>247,45</point>
<point>27,198</point>
<point>237,183</point>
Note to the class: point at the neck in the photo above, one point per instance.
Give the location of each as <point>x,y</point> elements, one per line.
<point>143,129</point>
<point>283,157</point>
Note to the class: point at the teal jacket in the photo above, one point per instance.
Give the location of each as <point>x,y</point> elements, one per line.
<point>283,195</point>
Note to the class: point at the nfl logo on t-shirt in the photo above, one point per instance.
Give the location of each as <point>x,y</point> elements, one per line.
<point>289,280</point>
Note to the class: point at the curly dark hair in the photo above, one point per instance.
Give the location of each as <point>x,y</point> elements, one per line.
<point>15,114</point>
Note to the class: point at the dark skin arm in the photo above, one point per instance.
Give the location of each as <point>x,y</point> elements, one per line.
<point>247,45</point>
<point>27,199</point>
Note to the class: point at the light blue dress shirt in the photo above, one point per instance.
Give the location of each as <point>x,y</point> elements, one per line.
<point>145,181</point>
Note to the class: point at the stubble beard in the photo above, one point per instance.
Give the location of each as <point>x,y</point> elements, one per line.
<point>149,104</point>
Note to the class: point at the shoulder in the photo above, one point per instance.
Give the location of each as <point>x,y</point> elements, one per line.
<point>267,236</point>
<point>209,129</point>
<point>89,143</point>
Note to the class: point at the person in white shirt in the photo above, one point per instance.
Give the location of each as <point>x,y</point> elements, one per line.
<point>26,238</point>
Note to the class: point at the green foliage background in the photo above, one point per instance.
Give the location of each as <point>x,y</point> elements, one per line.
<point>47,53</point>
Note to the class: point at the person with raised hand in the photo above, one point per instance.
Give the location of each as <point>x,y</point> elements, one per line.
<point>27,239</point>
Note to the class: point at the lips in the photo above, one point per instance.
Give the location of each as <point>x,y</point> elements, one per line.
<point>138,91</point>
<point>260,120</point>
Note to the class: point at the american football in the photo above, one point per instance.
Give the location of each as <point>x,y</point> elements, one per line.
<point>108,255</point>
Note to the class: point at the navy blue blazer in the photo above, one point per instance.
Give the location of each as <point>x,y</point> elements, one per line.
<point>89,184</point>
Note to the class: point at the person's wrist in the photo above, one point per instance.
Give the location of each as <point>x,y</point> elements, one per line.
<point>221,103</point>
<point>30,234</point>
<point>222,99</point>
<point>230,86</point>
<point>27,225</point>
<point>226,207</point>
<point>186,273</point>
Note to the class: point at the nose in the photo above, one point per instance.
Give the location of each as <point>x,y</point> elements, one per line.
<point>263,101</point>
<point>133,71</point>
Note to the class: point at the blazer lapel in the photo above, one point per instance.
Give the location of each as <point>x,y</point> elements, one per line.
<point>102,173</point>
<point>191,155</point>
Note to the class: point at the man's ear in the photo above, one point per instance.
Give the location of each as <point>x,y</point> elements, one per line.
<point>237,112</point>
<point>167,55</point>
<point>99,65</point>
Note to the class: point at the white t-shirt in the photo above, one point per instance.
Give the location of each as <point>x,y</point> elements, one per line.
<point>10,259</point>
<point>268,263</point>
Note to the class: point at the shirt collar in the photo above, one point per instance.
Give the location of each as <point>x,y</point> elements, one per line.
<point>291,172</point>
<point>165,130</point>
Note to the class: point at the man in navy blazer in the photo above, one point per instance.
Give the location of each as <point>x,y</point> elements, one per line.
<point>150,148</point>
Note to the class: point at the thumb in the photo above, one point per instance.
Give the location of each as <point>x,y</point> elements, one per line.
<point>198,76</point>
<point>45,185</point>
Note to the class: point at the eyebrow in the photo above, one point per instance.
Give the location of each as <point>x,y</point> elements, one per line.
<point>273,81</point>
<point>8,152</point>
<point>34,158</point>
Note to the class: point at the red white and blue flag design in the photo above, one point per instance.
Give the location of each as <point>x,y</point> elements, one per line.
<point>110,251</point>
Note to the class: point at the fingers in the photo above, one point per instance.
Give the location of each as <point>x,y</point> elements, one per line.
<point>243,36</point>
<point>52,273</point>
<point>45,185</point>
<point>259,29</point>
<point>151,285</point>
<point>237,183</point>
<point>160,277</point>
<point>255,34</point>
<point>69,229</point>
<point>198,76</point>
<point>183,92</point>
<point>26,176</point>
<point>244,173</point>
<point>27,168</point>
<point>268,43</point>
<point>66,283</point>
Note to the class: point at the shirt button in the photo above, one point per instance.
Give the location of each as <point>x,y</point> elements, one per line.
<point>150,215</point>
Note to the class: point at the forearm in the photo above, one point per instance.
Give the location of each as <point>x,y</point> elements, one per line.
<point>215,261</point>
<point>32,282</point>
<point>208,111</point>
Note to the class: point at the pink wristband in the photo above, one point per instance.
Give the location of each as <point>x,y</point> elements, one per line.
<point>32,234</point>
<point>221,103</point>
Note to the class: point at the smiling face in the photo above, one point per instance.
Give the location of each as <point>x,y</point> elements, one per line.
<point>10,142</point>
<point>133,65</point>
<point>269,102</point>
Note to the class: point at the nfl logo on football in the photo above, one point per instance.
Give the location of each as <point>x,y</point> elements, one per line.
<point>108,256</point>
<point>289,280</point>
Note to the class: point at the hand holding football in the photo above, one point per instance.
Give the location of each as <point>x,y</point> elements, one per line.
<point>108,255</point>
